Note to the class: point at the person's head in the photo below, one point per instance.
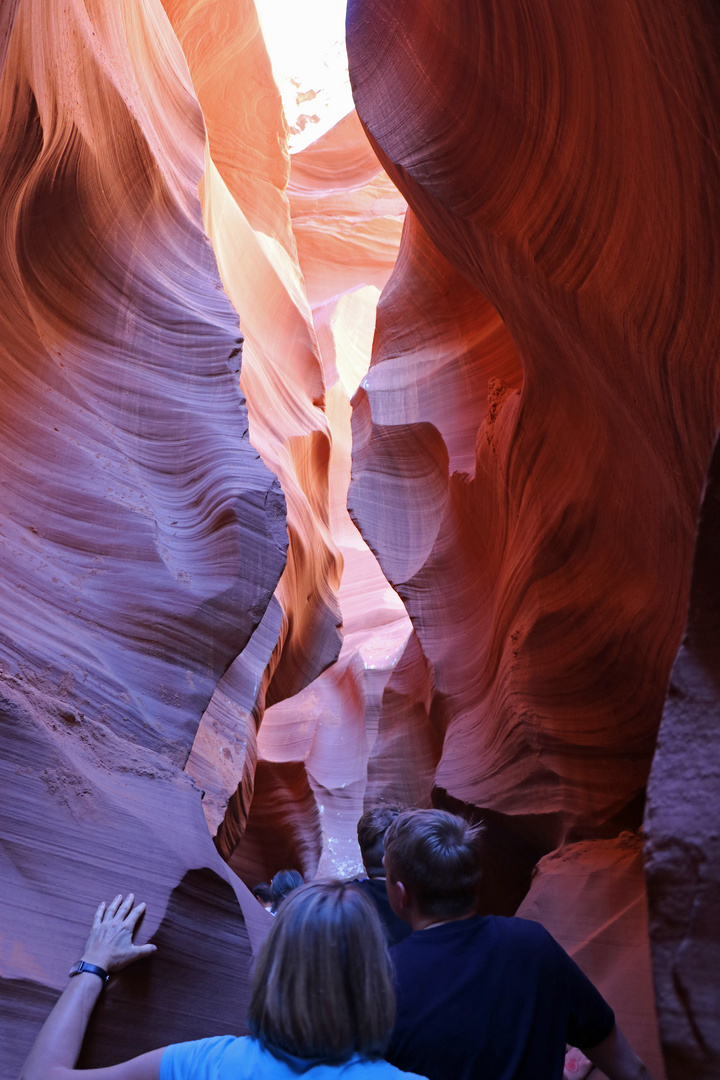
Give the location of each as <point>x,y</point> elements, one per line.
<point>371,829</point>
<point>262,894</point>
<point>435,856</point>
<point>283,883</point>
<point>322,985</point>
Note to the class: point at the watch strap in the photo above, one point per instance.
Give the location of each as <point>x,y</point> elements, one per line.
<point>81,966</point>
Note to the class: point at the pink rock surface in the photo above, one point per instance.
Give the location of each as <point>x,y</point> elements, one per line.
<point>591,897</point>
<point>347,218</point>
<point>141,536</point>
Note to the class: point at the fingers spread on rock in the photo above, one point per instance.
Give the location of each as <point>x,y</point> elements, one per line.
<point>113,906</point>
<point>126,905</point>
<point>134,915</point>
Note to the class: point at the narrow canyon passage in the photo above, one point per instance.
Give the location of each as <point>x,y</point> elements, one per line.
<point>358,410</point>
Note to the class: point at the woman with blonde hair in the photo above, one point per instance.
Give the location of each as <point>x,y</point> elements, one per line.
<point>322,1003</point>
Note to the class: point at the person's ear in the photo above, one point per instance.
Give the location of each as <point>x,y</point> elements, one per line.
<point>403,896</point>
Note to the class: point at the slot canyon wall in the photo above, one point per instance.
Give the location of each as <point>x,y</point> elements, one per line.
<point>529,461</point>
<point>209,666</point>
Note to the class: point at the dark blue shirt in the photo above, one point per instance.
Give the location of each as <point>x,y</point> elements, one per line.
<point>395,928</point>
<point>491,998</point>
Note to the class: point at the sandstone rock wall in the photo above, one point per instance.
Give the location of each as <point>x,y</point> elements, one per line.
<point>531,440</point>
<point>201,654</point>
<point>683,859</point>
<point>141,535</point>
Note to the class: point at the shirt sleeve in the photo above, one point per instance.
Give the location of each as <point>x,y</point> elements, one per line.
<point>194,1060</point>
<point>590,1018</point>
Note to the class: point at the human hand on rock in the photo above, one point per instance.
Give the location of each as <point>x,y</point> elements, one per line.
<point>110,944</point>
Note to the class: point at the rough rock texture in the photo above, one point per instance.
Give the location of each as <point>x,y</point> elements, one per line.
<point>539,525</point>
<point>682,824</point>
<point>141,536</point>
<point>530,443</point>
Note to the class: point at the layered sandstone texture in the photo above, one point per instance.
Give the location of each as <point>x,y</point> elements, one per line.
<point>205,661</point>
<point>531,439</point>
<point>178,552</point>
<point>141,535</point>
<point>314,746</point>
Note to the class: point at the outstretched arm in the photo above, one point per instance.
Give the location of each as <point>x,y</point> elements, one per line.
<point>57,1047</point>
<point>617,1059</point>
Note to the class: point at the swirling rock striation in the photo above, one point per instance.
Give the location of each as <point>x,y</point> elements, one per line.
<point>141,536</point>
<point>314,747</point>
<point>531,439</point>
<point>528,473</point>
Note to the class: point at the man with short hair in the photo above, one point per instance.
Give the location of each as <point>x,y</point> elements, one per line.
<point>483,996</point>
<point>371,829</point>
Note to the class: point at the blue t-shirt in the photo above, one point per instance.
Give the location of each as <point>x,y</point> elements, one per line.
<point>491,998</point>
<point>228,1058</point>
<point>376,889</point>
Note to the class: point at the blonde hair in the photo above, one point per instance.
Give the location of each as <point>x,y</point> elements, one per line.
<point>322,985</point>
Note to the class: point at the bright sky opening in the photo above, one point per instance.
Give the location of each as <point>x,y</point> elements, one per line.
<point>306,43</point>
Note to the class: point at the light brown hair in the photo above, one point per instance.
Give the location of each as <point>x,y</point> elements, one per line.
<point>322,985</point>
<point>371,829</point>
<point>436,855</point>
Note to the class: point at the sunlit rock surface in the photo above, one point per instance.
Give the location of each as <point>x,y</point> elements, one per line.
<point>247,216</point>
<point>141,535</point>
<point>183,587</point>
<point>347,218</point>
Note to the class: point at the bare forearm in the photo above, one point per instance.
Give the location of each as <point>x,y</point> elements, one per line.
<point>617,1059</point>
<point>61,1036</point>
<point>109,947</point>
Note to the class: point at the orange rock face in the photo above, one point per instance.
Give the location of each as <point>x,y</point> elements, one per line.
<point>529,460</point>
<point>208,666</point>
<point>534,505</point>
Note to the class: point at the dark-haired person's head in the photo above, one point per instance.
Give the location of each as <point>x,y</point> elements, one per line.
<point>322,985</point>
<point>262,893</point>
<point>436,857</point>
<point>284,882</point>
<point>371,829</point>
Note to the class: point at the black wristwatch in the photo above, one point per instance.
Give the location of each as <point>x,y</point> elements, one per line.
<point>81,966</point>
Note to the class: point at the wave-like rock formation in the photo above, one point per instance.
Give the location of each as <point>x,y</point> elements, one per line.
<point>205,673</point>
<point>528,462</point>
<point>141,535</point>
<point>347,218</point>
<point>539,526</point>
<point>247,215</point>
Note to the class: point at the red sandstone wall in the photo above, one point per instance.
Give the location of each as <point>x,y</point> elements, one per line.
<point>528,462</point>
<point>529,447</point>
